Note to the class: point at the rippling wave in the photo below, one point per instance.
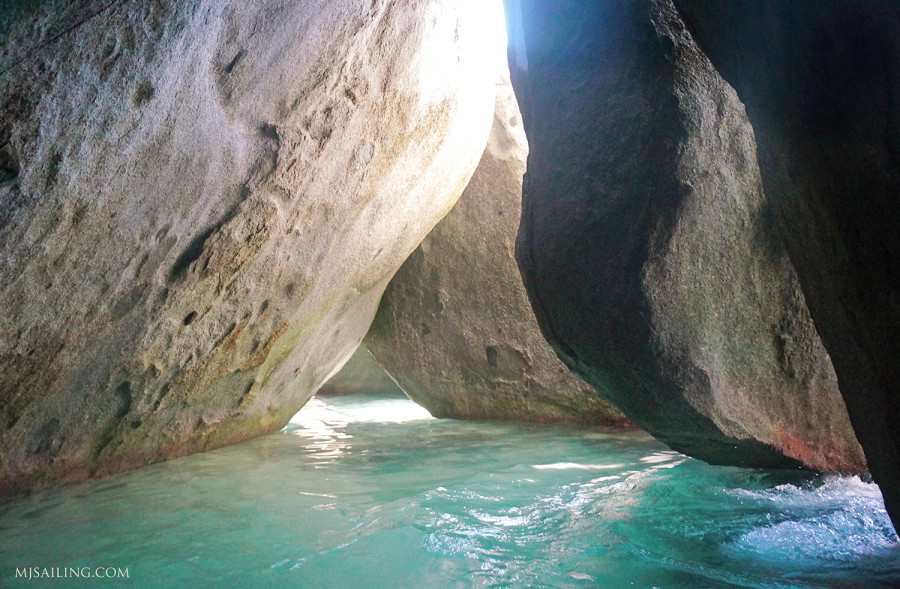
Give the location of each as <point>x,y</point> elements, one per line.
<point>360,492</point>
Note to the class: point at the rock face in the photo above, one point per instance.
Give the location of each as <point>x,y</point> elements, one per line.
<point>201,205</point>
<point>648,246</point>
<point>455,328</point>
<point>361,375</point>
<point>821,85</point>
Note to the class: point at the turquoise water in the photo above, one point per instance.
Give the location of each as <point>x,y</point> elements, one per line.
<point>364,492</point>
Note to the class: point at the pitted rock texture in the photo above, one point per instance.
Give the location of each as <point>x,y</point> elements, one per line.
<point>455,328</point>
<point>821,82</point>
<point>648,247</point>
<point>362,374</point>
<point>201,205</point>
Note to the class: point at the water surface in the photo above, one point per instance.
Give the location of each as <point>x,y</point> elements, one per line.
<point>367,492</point>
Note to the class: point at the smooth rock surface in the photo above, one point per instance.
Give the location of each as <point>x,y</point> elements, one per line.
<point>201,205</point>
<point>821,82</point>
<point>455,328</point>
<point>648,246</point>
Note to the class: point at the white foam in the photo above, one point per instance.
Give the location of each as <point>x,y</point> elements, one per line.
<point>575,466</point>
<point>841,520</point>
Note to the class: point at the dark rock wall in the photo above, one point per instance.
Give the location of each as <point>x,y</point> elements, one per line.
<point>647,244</point>
<point>821,81</point>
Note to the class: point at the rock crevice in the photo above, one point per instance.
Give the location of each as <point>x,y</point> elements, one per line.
<point>455,329</point>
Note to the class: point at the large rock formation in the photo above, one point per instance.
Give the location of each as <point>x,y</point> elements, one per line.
<point>647,243</point>
<point>821,82</point>
<point>201,205</point>
<point>455,328</point>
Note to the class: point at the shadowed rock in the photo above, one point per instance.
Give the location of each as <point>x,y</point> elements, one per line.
<point>454,327</point>
<point>201,205</point>
<point>648,246</point>
<point>361,375</point>
<point>821,81</point>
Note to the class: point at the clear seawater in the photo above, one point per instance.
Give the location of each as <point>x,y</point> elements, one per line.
<point>363,492</point>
